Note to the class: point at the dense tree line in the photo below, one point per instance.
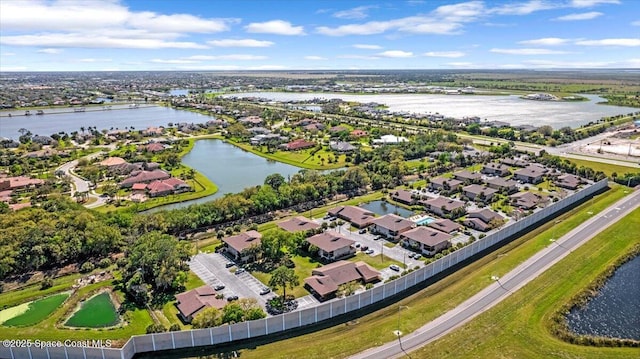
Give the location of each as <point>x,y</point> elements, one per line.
<point>56,233</point>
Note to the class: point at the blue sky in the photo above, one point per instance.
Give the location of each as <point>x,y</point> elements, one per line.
<point>300,34</point>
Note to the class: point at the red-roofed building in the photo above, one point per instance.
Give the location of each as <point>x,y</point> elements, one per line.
<point>358,133</point>
<point>159,189</point>
<point>299,144</point>
<point>324,281</point>
<point>191,303</point>
<point>144,177</point>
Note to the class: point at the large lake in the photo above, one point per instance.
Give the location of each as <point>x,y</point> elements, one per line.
<point>230,168</point>
<point>510,109</point>
<point>139,118</point>
<point>614,312</point>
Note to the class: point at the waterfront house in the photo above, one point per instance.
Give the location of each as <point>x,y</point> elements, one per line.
<point>391,225</point>
<point>358,217</point>
<point>403,196</point>
<point>144,177</point>
<point>342,146</point>
<point>443,206</point>
<point>299,144</point>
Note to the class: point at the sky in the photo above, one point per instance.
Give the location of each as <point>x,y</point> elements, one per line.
<point>131,35</point>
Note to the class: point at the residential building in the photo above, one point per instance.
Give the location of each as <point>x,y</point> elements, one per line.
<point>389,140</point>
<point>19,182</point>
<point>358,217</point>
<point>502,184</point>
<point>342,146</point>
<point>251,121</point>
<point>479,193</point>
<point>514,162</point>
<point>427,241</point>
<point>445,184</point>
<point>530,174</point>
<point>391,225</point>
<point>144,177</point>
<point>332,245</point>
<point>443,206</point>
<point>236,245</point>
<point>467,177</point>
<point>569,181</point>
<point>482,219</point>
<point>526,200</point>
<point>324,281</point>
<point>403,196</point>
<point>112,161</point>
<point>496,169</point>
<point>358,133</point>
<point>445,225</point>
<point>297,224</point>
<point>299,144</point>
<point>192,302</point>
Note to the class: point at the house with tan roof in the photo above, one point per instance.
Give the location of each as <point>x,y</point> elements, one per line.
<point>235,245</point>
<point>526,200</point>
<point>299,144</point>
<point>502,184</point>
<point>144,177</point>
<point>332,245</point>
<point>482,220</point>
<point>467,177</point>
<point>530,174</point>
<point>324,281</point>
<point>445,225</point>
<point>391,225</point>
<point>569,181</point>
<point>112,161</point>
<point>426,240</point>
<point>403,196</point>
<point>496,169</point>
<point>297,224</point>
<point>358,217</point>
<point>446,184</point>
<point>443,206</point>
<point>192,302</point>
<point>479,193</point>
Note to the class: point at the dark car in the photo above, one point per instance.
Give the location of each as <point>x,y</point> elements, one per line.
<point>232,298</point>
<point>219,287</point>
<point>240,271</point>
<point>229,264</point>
<point>363,230</point>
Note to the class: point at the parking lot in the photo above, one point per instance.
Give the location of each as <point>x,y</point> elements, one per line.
<point>211,268</point>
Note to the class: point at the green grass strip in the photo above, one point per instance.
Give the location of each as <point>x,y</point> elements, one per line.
<point>38,311</point>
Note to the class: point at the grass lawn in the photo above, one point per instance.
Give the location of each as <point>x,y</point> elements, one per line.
<point>519,326</point>
<point>38,310</point>
<point>302,158</point>
<point>96,312</point>
<point>304,266</point>
<point>379,261</point>
<point>607,168</point>
<point>377,328</point>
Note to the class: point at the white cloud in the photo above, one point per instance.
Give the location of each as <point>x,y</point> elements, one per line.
<point>94,41</point>
<point>174,61</point>
<point>610,42</point>
<point>523,8</point>
<point>546,41</point>
<point>315,58</point>
<point>359,12</point>
<point>579,16</point>
<point>446,19</point>
<point>278,27</point>
<point>527,51</point>
<point>49,51</point>
<point>567,64</point>
<point>358,57</point>
<point>590,3</point>
<point>635,23</point>
<point>395,54</point>
<point>460,64</point>
<point>367,47</point>
<point>267,67</point>
<point>449,54</point>
<point>240,43</point>
<point>200,58</point>
<point>94,60</point>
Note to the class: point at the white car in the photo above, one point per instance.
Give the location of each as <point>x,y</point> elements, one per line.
<point>394,268</point>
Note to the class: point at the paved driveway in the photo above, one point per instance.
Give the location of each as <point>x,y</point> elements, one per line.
<point>210,267</point>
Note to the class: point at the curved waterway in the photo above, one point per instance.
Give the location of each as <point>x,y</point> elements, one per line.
<point>231,168</point>
<point>615,311</point>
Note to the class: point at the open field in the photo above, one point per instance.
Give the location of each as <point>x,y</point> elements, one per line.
<point>606,168</point>
<point>95,312</point>
<point>302,158</point>
<point>519,326</point>
<point>377,328</point>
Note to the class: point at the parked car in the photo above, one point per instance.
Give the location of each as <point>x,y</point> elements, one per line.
<point>394,268</point>
<point>240,271</point>
<point>229,264</point>
<point>362,230</point>
<point>369,251</point>
<point>265,290</point>
<point>410,255</point>
<point>232,298</point>
<point>364,248</point>
<point>417,256</point>
<point>219,287</point>
<point>357,244</point>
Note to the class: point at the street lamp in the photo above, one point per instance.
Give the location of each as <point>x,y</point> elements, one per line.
<point>398,333</point>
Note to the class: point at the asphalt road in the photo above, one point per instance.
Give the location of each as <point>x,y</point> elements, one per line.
<point>506,285</point>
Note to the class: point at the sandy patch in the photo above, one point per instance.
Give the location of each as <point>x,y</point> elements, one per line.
<point>13,312</point>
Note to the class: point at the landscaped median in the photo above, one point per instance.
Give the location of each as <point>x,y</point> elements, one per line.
<point>378,327</point>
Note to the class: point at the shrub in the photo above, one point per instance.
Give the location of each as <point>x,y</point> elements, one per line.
<point>104,263</point>
<point>87,267</point>
<point>47,282</point>
<point>175,327</point>
<point>156,328</point>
